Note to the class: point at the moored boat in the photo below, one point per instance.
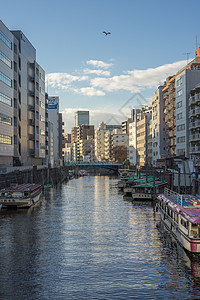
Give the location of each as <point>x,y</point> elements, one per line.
<point>20,196</point>
<point>145,191</point>
<point>181,216</point>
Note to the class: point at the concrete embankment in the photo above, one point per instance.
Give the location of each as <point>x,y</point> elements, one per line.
<point>34,175</point>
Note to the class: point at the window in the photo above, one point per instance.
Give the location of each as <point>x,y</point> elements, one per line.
<point>179,116</point>
<point>42,91</point>
<point>42,105</point>
<point>181,139</point>
<point>37,115</point>
<point>42,132</point>
<point>179,104</point>
<point>42,119</point>
<point>5,79</point>
<point>15,139</point>
<point>179,82</point>
<point>5,139</point>
<point>42,77</point>
<point>181,127</point>
<point>37,129</point>
<point>5,99</point>
<point>5,119</point>
<point>5,59</point>
<point>179,93</point>
<point>4,39</point>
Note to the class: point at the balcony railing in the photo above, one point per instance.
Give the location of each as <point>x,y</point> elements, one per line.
<point>194,136</point>
<point>191,100</point>
<point>192,125</point>
<point>192,112</point>
<point>197,123</point>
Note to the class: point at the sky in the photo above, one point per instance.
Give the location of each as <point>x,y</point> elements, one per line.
<point>107,75</point>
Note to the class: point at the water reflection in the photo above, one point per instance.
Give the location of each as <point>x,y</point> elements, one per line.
<point>84,241</point>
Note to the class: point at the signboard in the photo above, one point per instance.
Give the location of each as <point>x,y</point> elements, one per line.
<point>52,103</point>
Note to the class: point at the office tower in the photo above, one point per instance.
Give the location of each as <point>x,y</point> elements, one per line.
<point>81,118</point>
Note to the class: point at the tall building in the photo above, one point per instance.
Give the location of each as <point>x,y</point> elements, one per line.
<point>158,126</point>
<point>194,126</point>
<point>176,96</point>
<point>133,142</point>
<point>61,143</point>
<point>81,118</point>
<point>144,137</point>
<point>82,143</point>
<point>53,114</point>
<point>22,101</point>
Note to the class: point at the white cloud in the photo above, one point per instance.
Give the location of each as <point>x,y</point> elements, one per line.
<point>96,72</point>
<point>131,80</point>
<point>99,64</point>
<point>89,91</point>
<point>136,80</point>
<point>63,80</point>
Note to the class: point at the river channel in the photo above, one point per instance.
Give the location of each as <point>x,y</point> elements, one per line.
<point>85,241</point>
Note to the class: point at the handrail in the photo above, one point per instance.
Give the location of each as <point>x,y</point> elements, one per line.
<point>178,198</point>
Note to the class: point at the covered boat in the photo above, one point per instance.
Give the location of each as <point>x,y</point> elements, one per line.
<point>20,196</point>
<point>181,216</point>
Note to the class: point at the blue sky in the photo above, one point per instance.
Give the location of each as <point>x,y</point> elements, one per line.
<point>89,70</point>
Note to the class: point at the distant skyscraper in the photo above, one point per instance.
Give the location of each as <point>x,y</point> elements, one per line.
<point>81,118</point>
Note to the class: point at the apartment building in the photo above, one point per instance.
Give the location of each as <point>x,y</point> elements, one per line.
<point>100,135</point>
<point>176,96</point>
<point>22,101</point>
<point>82,142</point>
<point>144,137</point>
<point>194,126</point>
<point>159,147</point>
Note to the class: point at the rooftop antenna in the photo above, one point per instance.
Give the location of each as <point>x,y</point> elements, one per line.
<point>187,55</point>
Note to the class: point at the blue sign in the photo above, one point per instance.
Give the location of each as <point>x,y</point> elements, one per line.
<point>52,103</point>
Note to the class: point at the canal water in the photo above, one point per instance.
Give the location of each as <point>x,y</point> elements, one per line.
<point>85,241</point>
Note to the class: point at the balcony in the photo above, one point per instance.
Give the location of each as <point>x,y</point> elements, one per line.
<point>197,148</point>
<point>197,110</point>
<point>191,100</point>
<point>194,137</point>
<point>31,122</point>
<point>192,112</point>
<point>31,137</point>
<point>197,123</point>
<point>192,125</point>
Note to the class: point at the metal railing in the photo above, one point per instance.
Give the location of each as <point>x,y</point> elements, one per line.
<point>177,198</point>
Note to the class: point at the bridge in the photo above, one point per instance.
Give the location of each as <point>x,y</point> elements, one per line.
<point>95,165</point>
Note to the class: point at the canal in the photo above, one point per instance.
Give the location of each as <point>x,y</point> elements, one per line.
<point>84,241</point>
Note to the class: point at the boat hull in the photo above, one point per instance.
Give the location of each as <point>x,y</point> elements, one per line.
<point>142,196</point>
<point>20,203</point>
<point>190,244</point>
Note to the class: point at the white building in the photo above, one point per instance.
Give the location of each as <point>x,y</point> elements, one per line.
<point>133,143</point>
<point>159,146</point>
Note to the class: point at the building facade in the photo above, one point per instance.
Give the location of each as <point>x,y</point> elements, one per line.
<point>22,104</point>
<point>159,147</point>
<point>81,118</point>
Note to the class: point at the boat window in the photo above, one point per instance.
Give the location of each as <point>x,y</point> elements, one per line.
<point>194,231</point>
<point>184,223</point>
<point>26,194</point>
<point>16,194</point>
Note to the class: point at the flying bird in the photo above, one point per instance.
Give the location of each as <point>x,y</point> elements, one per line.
<point>106,33</point>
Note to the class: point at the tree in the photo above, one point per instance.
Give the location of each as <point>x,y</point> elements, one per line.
<point>120,153</point>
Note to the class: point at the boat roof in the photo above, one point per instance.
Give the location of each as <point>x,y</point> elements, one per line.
<point>150,184</point>
<point>190,208</point>
<point>22,187</point>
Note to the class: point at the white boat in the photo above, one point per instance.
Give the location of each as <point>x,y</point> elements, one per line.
<point>20,196</point>
<point>181,216</point>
